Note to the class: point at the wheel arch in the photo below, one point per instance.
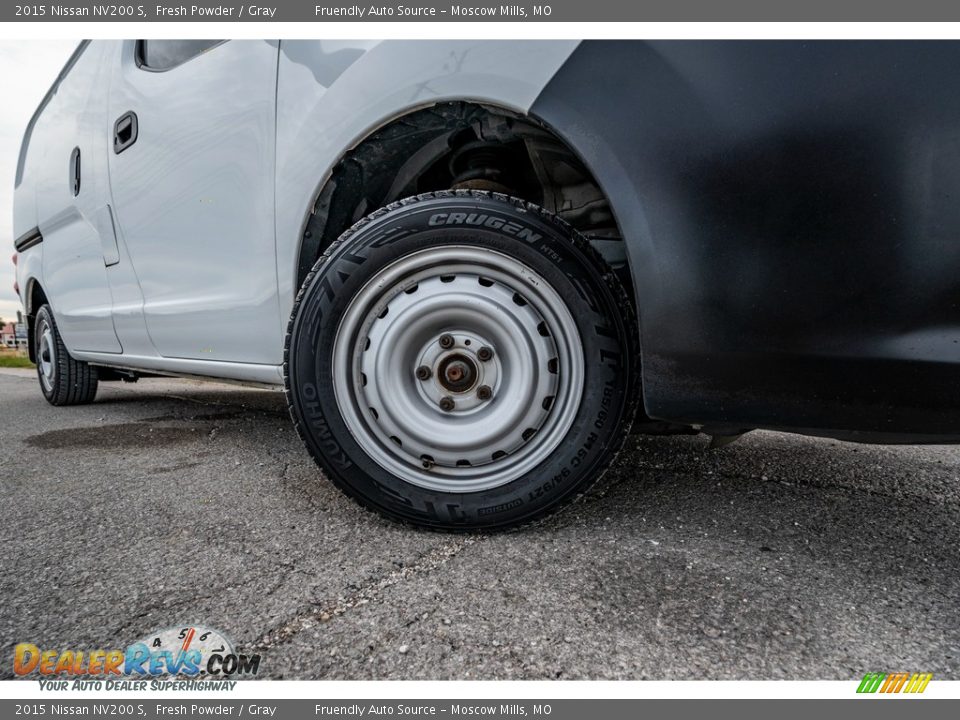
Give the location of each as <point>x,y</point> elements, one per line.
<point>405,156</point>
<point>34,298</point>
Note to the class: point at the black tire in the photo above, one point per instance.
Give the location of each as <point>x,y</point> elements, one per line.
<point>66,381</point>
<point>597,302</point>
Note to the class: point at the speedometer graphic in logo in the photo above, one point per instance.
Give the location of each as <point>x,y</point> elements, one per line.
<point>186,650</point>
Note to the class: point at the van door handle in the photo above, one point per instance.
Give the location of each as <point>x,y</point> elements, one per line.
<point>75,171</point>
<point>124,132</point>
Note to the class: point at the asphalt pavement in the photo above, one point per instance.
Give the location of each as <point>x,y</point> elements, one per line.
<point>173,502</point>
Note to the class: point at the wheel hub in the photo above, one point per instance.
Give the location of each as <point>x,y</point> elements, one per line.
<point>458,369</point>
<point>457,373</point>
<point>454,371</point>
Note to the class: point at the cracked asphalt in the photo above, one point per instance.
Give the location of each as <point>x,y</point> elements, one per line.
<point>173,501</point>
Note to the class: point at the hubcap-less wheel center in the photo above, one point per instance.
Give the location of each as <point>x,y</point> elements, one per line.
<point>458,369</point>
<point>457,380</point>
<point>457,373</point>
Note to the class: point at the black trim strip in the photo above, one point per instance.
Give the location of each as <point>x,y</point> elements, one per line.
<point>28,240</point>
<point>142,65</point>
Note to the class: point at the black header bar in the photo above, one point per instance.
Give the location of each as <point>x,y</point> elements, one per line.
<point>324,11</point>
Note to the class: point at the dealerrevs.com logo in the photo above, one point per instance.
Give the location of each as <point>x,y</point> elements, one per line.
<point>188,652</point>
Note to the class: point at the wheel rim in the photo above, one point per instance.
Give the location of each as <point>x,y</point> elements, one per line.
<point>458,369</point>
<point>46,356</point>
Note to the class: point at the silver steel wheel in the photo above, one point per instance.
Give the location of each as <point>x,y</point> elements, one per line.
<point>458,369</point>
<point>46,356</point>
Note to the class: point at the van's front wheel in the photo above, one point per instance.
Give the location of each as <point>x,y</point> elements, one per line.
<point>462,361</point>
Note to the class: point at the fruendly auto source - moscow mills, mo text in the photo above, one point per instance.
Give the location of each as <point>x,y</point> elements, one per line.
<point>261,12</point>
<point>454,11</point>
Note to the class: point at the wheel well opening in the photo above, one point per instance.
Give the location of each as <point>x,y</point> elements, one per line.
<point>462,145</point>
<point>37,298</point>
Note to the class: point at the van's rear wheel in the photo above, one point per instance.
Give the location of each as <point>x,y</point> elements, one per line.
<point>63,380</point>
<point>462,360</point>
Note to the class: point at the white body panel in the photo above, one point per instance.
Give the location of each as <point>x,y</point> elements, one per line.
<point>74,271</point>
<point>209,205</point>
<point>194,198</point>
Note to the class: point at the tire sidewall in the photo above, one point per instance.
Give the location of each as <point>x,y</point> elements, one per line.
<point>541,242</point>
<point>45,318</point>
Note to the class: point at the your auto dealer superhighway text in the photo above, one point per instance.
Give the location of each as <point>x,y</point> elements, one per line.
<point>224,11</point>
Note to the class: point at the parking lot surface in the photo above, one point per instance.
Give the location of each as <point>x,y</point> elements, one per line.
<point>173,502</point>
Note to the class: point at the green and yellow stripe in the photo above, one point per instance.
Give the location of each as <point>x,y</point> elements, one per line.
<point>894,682</point>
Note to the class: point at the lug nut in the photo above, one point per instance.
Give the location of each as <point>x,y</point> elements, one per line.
<point>484,392</point>
<point>424,373</point>
<point>446,341</point>
<point>447,404</point>
<point>484,354</point>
